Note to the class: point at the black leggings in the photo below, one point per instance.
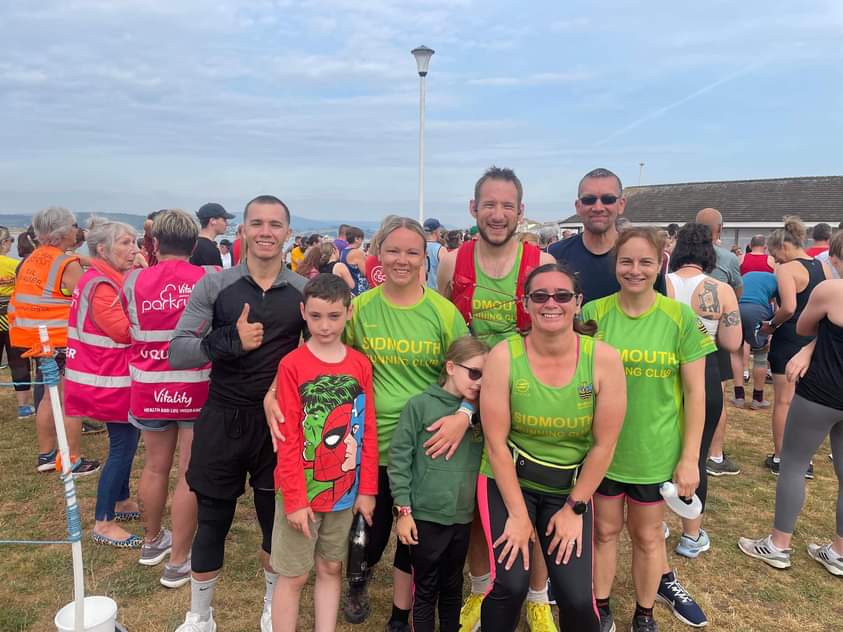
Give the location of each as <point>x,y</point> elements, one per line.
<point>381,529</point>
<point>571,582</point>
<point>713,410</point>
<point>438,561</point>
<point>214,519</point>
<point>18,365</point>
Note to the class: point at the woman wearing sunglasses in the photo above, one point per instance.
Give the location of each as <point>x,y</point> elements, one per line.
<point>663,347</point>
<point>553,404</point>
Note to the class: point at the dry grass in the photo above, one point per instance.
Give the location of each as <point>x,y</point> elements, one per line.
<point>737,593</point>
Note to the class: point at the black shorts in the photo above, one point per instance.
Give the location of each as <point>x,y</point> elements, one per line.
<point>724,363</point>
<point>637,492</point>
<point>229,443</point>
<point>784,345</point>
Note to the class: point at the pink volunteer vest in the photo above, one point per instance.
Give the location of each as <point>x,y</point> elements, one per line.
<point>96,378</point>
<point>155,299</point>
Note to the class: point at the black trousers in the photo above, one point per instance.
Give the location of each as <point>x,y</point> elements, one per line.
<point>381,529</point>
<point>571,582</point>
<point>437,562</point>
<point>713,409</point>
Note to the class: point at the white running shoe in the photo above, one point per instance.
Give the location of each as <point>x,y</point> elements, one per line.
<point>266,617</point>
<point>827,556</point>
<point>192,623</point>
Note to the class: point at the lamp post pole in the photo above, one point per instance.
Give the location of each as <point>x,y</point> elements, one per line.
<point>422,55</point>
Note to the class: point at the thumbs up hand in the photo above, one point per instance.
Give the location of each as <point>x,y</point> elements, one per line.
<point>251,334</point>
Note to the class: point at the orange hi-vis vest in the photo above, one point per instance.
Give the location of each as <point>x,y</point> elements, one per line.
<point>38,299</point>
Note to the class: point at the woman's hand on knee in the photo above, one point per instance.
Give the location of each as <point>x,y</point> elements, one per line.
<point>566,527</point>
<point>517,534</point>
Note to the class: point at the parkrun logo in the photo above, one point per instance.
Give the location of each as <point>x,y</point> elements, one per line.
<point>164,396</point>
<point>172,298</point>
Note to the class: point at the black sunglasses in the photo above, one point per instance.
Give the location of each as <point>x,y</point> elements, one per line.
<point>606,198</point>
<point>560,296</point>
<point>473,374</point>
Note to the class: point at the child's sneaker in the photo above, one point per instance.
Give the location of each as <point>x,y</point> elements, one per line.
<point>540,617</point>
<point>470,613</point>
<point>84,467</point>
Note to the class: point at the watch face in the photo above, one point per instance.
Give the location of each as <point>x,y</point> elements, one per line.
<point>580,507</point>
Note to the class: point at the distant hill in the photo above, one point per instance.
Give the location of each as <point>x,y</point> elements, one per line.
<point>300,224</point>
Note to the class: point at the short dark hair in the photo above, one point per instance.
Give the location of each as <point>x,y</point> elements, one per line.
<point>821,232</point>
<point>266,199</point>
<point>600,172</point>
<point>694,245</point>
<point>328,287</point>
<point>499,173</point>
<point>352,233</point>
<point>757,241</point>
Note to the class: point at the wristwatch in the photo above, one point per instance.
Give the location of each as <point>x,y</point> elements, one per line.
<point>398,510</point>
<point>577,506</point>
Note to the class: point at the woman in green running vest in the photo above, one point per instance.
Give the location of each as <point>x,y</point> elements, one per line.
<point>663,347</point>
<point>552,408</point>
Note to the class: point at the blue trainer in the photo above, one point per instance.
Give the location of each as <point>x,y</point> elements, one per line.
<point>26,411</point>
<point>688,547</point>
<point>680,602</point>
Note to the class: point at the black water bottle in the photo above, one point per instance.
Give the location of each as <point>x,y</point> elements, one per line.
<point>358,537</point>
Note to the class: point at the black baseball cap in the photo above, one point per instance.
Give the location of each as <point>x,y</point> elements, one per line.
<point>225,242</point>
<point>431,224</point>
<point>213,210</point>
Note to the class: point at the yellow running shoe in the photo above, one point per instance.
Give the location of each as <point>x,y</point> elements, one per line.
<point>540,617</point>
<point>470,613</point>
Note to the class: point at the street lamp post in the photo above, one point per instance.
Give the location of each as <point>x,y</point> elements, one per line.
<point>422,55</point>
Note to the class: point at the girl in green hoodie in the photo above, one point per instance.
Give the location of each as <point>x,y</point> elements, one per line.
<point>434,499</point>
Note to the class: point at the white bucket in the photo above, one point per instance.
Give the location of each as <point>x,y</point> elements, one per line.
<point>100,615</point>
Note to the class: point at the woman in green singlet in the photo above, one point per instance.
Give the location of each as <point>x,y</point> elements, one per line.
<point>663,347</point>
<point>552,409</point>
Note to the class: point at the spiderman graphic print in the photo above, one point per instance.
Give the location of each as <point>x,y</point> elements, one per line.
<point>332,428</point>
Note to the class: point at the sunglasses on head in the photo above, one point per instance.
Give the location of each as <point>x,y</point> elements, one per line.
<point>473,374</point>
<point>591,200</point>
<point>560,296</point>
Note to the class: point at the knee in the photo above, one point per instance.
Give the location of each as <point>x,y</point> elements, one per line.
<point>647,539</point>
<point>328,569</point>
<point>293,584</point>
<point>512,585</point>
<point>606,531</point>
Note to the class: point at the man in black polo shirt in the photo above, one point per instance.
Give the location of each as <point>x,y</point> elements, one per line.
<point>599,203</point>
<point>243,320</point>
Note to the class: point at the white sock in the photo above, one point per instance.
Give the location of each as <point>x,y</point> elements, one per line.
<point>774,547</point>
<point>201,596</point>
<point>776,459</point>
<point>480,584</point>
<point>716,459</point>
<point>538,596</point>
<point>271,578</point>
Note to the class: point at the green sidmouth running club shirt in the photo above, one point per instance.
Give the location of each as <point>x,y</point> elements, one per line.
<point>653,347</point>
<point>406,346</point>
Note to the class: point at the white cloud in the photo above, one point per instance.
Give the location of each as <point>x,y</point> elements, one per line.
<point>535,79</point>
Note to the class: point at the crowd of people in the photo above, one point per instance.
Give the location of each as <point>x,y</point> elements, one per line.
<point>508,401</point>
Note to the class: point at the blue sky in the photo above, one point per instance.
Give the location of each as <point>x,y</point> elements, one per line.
<point>135,105</point>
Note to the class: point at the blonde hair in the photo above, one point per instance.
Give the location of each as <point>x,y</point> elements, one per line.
<point>794,233</point>
<point>461,350</point>
<point>376,238</point>
<point>393,223</point>
<point>176,231</point>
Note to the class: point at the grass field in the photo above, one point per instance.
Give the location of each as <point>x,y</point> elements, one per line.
<point>737,593</point>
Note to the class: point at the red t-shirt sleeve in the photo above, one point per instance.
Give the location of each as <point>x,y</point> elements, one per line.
<point>370,457</point>
<point>289,468</point>
<point>107,312</point>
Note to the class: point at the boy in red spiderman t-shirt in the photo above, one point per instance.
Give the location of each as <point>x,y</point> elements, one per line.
<point>327,467</point>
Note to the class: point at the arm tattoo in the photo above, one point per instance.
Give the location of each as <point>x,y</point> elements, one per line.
<point>709,301</point>
<point>731,319</point>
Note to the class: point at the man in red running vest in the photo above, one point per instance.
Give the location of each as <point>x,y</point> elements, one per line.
<point>484,279</point>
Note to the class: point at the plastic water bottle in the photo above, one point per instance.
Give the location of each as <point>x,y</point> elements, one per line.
<point>358,538</point>
<point>688,509</point>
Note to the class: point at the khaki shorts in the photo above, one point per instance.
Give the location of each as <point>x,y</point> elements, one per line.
<point>293,554</point>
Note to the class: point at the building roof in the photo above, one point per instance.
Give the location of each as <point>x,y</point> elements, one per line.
<point>814,199</point>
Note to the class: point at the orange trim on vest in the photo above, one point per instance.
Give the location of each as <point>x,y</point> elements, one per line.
<point>38,299</point>
<point>465,281</point>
